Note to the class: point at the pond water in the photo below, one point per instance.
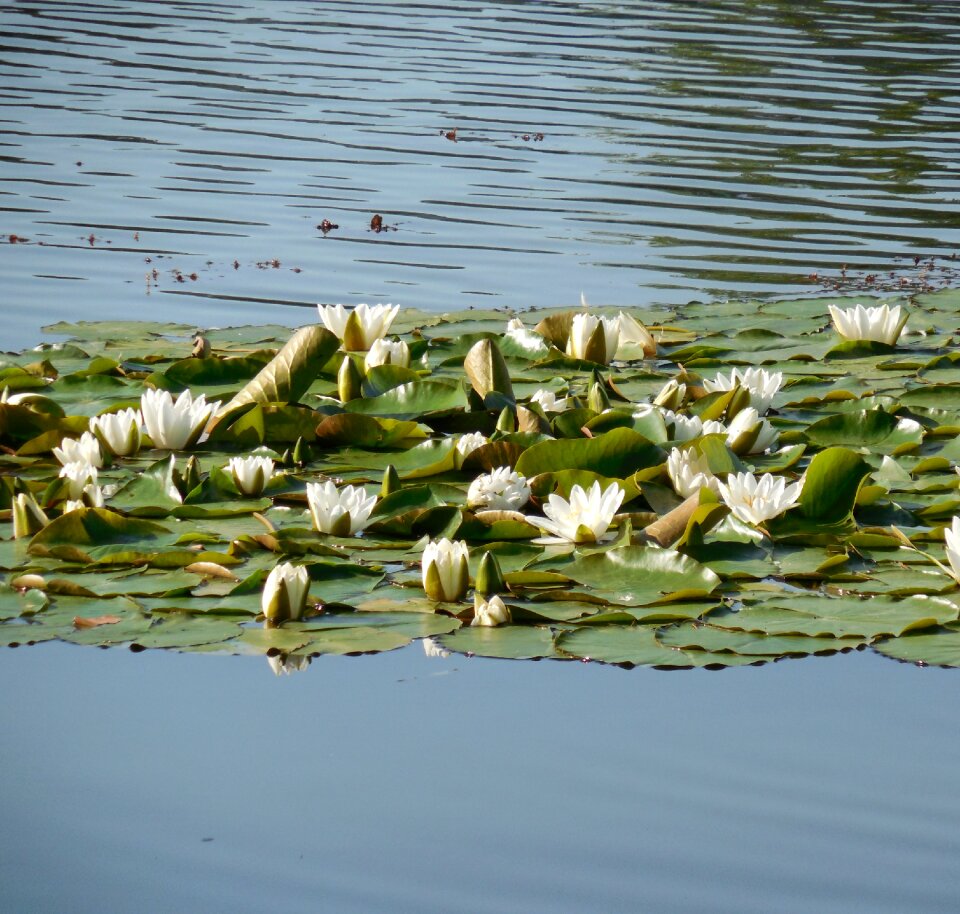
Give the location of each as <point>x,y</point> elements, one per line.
<point>688,150</point>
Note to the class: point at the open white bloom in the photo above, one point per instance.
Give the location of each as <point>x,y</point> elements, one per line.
<point>78,474</point>
<point>585,517</point>
<point>951,537</point>
<point>285,592</point>
<point>467,444</point>
<point>633,332</point>
<point>754,500</point>
<point>689,472</point>
<point>287,664</point>
<point>680,427</point>
<point>175,424</point>
<point>84,450</point>
<point>748,433</point>
<point>358,328</point>
<point>761,385</point>
<point>593,338</point>
<point>119,432</point>
<point>445,570</point>
<point>549,402</point>
<point>713,427</point>
<point>341,512</point>
<point>882,324</point>
<point>387,352</point>
<point>490,612</point>
<point>251,474</point>
<point>503,489</point>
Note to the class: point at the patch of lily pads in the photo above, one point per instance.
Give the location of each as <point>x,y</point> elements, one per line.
<point>723,484</point>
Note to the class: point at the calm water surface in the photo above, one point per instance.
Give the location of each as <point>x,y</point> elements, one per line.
<point>689,149</point>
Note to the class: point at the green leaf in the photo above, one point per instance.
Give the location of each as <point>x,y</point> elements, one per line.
<point>617,454</point>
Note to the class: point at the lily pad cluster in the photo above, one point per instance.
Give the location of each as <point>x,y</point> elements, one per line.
<point>720,484</point>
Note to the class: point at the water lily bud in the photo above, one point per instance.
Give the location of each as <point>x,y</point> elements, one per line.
<point>597,398</point>
<point>349,381</point>
<point>671,396</point>
<point>490,612</point>
<point>285,593</point>
<point>339,512</point>
<point>689,472</point>
<point>286,458</point>
<point>77,475</point>
<point>387,352</point>
<point>28,516</point>
<point>119,432</point>
<point>751,434</point>
<point>951,540</point>
<point>445,570</point>
<point>191,475</point>
<point>548,401</point>
<point>633,332</point>
<point>301,453</point>
<point>391,481</point>
<point>507,421</point>
<point>593,338</point>
<point>251,474</point>
<point>467,444</point>
<point>489,576</point>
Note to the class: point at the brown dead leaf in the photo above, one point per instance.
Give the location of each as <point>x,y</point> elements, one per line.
<point>94,621</point>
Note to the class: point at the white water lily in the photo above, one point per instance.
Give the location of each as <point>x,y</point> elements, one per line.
<point>86,449</point>
<point>680,427</point>
<point>175,424</point>
<point>634,335</point>
<point>490,613</point>
<point>548,401</point>
<point>882,324</point>
<point>119,432</point>
<point>359,327</point>
<point>528,340</point>
<point>756,500</point>
<point>593,338</point>
<point>387,352</point>
<point>341,512</point>
<point>90,497</point>
<point>585,517</point>
<point>502,489</point>
<point>689,472</point>
<point>951,537</point>
<point>251,474</point>
<point>760,384</point>
<point>749,433</point>
<point>671,396</point>
<point>79,474</point>
<point>467,444</point>
<point>285,592</point>
<point>445,570</point>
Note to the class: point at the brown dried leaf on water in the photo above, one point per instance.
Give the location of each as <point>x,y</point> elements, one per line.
<point>81,622</point>
<point>211,570</point>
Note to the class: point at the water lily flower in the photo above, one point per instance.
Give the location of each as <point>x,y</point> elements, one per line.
<point>548,401</point>
<point>78,474</point>
<point>748,433</point>
<point>387,352</point>
<point>119,432</point>
<point>175,424</point>
<point>689,472</point>
<point>340,512</point>
<point>529,340</point>
<point>28,516</point>
<point>84,450</point>
<point>882,324</point>
<point>593,338</point>
<point>12,399</point>
<point>585,517</point>
<point>287,664</point>
<point>633,332</point>
<point>251,474</point>
<point>680,427</point>
<point>90,497</point>
<point>445,570</point>
<point>671,395</point>
<point>761,385</point>
<point>503,489</point>
<point>285,592</point>
<point>467,444</point>
<point>490,612</point>
<point>951,537</point>
<point>754,500</point>
<point>358,328</point>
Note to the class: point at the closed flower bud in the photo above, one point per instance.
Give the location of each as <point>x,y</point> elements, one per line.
<point>593,338</point>
<point>285,593</point>
<point>387,352</point>
<point>489,576</point>
<point>391,481</point>
<point>360,327</point>
<point>339,512</point>
<point>251,474</point>
<point>349,380</point>
<point>490,612</point>
<point>119,432</point>
<point>672,395</point>
<point>445,570</point>
<point>28,516</point>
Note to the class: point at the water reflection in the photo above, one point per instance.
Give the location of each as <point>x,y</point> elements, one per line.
<point>686,149</point>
